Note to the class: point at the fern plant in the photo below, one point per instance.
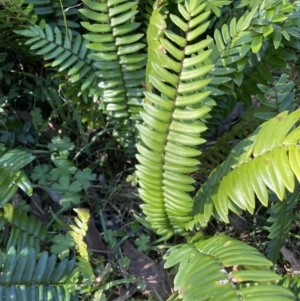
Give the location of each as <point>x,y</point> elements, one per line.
<point>185,81</point>
<point>201,60</point>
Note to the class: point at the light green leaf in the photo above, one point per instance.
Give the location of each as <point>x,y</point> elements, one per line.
<point>61,145</point>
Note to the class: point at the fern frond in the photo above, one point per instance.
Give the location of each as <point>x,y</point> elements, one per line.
<point>26,230</point>
<point>23,277</point>
<point>244,48</point>
<point>234,40</point>
<point>121,62</point>
<point>65,53</point>
<point>78,233</point>
<point>217,269</point>
<point>230,49</point>
<point>267,159</point>
<point>11,177</point>
<point>278,97</point>
<point>281,218</point>
<point>273,45</point>
<point>5,67</point>
<point>258,72</point>
<point>172,128</point>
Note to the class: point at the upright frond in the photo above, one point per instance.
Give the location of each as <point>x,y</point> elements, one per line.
<point>278,97</point>
<point>118,54</point>
<point>78,233</point>
<point>175,101</point>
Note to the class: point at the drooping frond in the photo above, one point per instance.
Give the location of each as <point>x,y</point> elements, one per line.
<point>65,53</point>
<point>267,159</point>
<point>118,54</point>
<point>47,7</point>
<point>281,219</point>
<point>217,269</point>
<point>24,277</point>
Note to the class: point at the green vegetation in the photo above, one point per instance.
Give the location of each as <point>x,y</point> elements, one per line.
<point>136,132</point>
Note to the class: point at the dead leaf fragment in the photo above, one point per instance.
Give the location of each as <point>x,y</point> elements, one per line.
<point>144,268</point>
<point>290,257</point>
<point>94,240</point>
<point>38,211</point>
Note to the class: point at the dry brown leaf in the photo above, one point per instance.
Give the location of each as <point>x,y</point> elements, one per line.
<point>144,268</point>
<point>290,257</point>
<point>94,240</point>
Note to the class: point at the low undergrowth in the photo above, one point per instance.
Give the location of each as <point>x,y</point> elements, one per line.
<point>149,150</point>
